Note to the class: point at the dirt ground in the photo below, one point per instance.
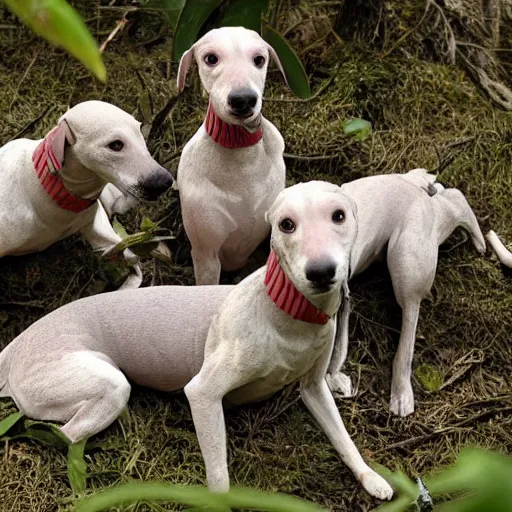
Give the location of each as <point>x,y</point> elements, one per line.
<point>425,112</point>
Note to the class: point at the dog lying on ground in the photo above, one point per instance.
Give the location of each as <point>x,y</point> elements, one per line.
<point>49,188</point>
<point>232,169</point>
<point>402,218</point>
<point>241,342</point>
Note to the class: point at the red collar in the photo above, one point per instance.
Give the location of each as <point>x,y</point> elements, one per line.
<point>47,166</point>
<point>284,294</point>
<point>229,135</point>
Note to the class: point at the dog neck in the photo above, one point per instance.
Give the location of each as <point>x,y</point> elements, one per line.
<point>57,180</point>
<point>287,298</point>
<point>229,135</point>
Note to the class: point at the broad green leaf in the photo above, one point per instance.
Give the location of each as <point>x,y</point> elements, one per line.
<point>192,18</point>
<point>119,229</point>
<point>243,13</point>
<point>194,496</point>
<point>43,432</point>
<point>77,468</point>
<point>59,23</point>
<point>7,423</point>
<point>295,74</point>
<point>357,128</point>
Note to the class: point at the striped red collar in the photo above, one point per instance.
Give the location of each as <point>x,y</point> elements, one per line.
<point>284,294</point>
<point>47,166</point>
<point>229,135</point>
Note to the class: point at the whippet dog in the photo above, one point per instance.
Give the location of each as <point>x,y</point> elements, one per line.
<point>49,188</point>
<point>402,218</point>
<point>232,169</point>
<point>242,343</point>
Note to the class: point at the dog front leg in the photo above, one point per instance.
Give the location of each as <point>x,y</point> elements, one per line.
<point>337,381</point>
<point>208,417</point>
<point>102,237</point>
<point>320,402</point>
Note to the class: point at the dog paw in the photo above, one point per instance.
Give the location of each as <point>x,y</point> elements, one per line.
<point>402,403</point>
<point>339,383</point>
<point>375,485</point>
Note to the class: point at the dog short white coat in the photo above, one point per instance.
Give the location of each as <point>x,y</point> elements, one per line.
<point>218,341</point>
<point>402,218</point>
<point>225,191</point>
<point>49,188</point>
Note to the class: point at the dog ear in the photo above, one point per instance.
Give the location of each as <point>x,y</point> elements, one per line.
<point>275,58</point>
<point>59,137</point>
<point>185,63</point>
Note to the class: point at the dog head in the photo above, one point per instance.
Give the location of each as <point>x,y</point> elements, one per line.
<point>107,141</point>
<point>232,65</point>
<point>314,227</point>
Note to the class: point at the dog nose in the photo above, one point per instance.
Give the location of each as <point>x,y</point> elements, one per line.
<point>157,184</point>
<point>242,101</point>
<point>321,273</point>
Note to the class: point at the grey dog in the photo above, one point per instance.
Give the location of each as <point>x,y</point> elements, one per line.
<point>241,342</point>
<point>402,218</point>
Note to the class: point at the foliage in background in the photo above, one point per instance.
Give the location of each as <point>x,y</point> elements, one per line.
<point>59,23</point>
<point>482,477</point>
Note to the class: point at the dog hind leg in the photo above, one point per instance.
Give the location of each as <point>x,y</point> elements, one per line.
<point>82,389</point>
<point>458,213</point>
<point>412,262</point>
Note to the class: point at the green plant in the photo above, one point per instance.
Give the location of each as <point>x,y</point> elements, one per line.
<point>481,477</point>
<point>60,24</point>
<point>197,497</point>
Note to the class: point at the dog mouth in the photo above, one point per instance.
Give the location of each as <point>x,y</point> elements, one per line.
<point>323,286</point>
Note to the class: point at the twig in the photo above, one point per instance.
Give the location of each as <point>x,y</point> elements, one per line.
<point>33,122</point>
<point>445,430</point>
<point>407,34</point>
<point>27,71</point>
<point>317,93</point>
<point>452,42</point>
<point>119,26</point>
<point>312,158</point>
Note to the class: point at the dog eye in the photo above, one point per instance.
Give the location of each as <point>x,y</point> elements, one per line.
<point>338,216</point>
<point>116,145</point>
<point>259,60</point>
<point>211,59</point>
<point>287,226</point>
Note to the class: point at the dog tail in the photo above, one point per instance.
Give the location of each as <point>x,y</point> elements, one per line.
<point>504,255</point>
<point>5,363</point>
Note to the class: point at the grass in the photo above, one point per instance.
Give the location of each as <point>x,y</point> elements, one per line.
<point>418,109</point>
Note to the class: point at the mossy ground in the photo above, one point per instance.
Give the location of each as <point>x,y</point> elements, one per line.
<point>418,109</point>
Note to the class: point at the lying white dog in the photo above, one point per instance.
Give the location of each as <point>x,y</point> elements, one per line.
<point>232,169</point>
<point>274,328</point>
<point>49,188</point>
<point>402,218</point>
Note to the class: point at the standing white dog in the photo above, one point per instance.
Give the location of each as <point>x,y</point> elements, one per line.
<point>402,218</point>
<point>232,169</point>
<point>49,188</point>
<point>276,327</point>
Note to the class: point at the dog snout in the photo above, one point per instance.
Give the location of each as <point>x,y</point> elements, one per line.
<point>157,184</point>
<point>242,101</point>
<point>321,273</point>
